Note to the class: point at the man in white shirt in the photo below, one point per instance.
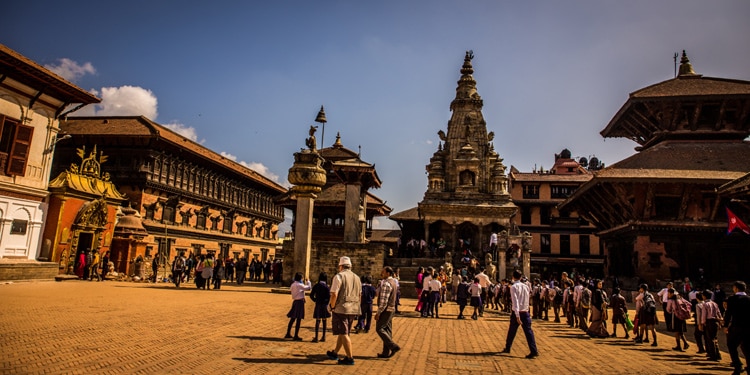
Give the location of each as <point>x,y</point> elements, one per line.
<point>519,316</point>
<point>485,283</point>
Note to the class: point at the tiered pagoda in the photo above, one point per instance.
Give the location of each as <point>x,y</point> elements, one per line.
<point>662,212</point>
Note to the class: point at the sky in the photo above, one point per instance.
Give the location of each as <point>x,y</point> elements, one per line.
<point>246,78</point>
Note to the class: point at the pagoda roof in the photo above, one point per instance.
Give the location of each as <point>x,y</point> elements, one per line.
<point>410,214</point>
<point>335,195</point>
<point>142,127</point>
<point>712,162</point>
<point>737,186</point>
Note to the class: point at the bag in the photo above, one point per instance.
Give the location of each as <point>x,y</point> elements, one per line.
<point>628,323</point>
<point>558,296</point>
<point>586,298</point>
<point>682,309</point>
<point>649,303</point>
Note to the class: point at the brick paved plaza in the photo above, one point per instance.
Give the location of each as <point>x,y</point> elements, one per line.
<point>78,327</point>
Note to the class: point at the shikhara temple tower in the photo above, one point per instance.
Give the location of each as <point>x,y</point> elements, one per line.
<point>467,195</point>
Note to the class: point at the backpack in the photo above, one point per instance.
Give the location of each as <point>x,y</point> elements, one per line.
<point>558,296</point>
<point>586,298</point>
<point>179,264</point>
<point>682,309</point>
<point>649,303</point>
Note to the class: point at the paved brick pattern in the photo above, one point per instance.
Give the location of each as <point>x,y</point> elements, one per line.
<point>77,327</point>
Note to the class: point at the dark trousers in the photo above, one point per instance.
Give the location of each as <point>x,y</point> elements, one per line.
<point>711,329</point>
<point>177,278</point>
<point>366,318</point>
<point>384,328</point>
<point>526,323</point>
<point>737,338</point>
<point>240,277</point>
<point>667,317</point>
<point>699,337</point>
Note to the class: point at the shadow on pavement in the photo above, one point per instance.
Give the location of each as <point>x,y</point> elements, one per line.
<point>470,354</point>
<point>260,338</point>
<point>298,360</point>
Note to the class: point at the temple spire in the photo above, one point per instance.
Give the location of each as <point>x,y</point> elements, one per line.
<point>686,69</point>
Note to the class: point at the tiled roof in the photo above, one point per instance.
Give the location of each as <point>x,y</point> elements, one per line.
<point>693,86</point>
<point>719,160</point>
<point>385,235</point>
<point>140,126</point>
<point>410,214</point>
<point>28,72</point>
<point>548,177</point>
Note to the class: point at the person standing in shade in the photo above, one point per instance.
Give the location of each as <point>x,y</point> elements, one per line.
<point>519,316</point>
<point>384,315</point>
<point>710,322</point>
<point>346,290</point>
<point>737,325</point>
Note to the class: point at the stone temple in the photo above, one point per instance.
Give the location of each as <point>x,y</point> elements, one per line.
<point>467,196</point>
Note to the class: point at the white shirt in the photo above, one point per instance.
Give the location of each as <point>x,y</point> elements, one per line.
<point>577,290</point>
<point>435,285</point>
<point>426,282</point>
<point>519,297</point>
<point>484,280</point>
<point>298,289</point>
<point>664,294</point>
<point>493,239</point>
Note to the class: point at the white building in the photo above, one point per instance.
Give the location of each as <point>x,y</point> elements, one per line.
<point>32,100</point>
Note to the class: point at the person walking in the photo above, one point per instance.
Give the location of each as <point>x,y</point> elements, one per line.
<point>346,290</point>
<point>709,324</point>
<point>737,325</point>
<point>619,312</point>
<point>519,296</point>
<point>178,266</point>
<point>95,267</point>
<point>384,315</point>
<point>664,298</point>
<point>598,310</point>
<point>297,312</point>
<point>368,294</point>
<point>678,322</point>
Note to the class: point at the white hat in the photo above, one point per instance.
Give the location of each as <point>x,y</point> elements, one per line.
<point>345,261</point>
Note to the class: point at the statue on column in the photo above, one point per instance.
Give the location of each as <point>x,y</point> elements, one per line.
<point>310,141</point>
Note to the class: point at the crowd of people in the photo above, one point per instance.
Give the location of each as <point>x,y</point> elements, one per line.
<point>208,272</point>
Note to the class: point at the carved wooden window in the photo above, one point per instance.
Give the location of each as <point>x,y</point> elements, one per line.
<point>227,224</point>
<point>546,244</point>
<point>584,244</point>
<point>531,191</point>
<point>15,146</point>
<point>565,244</point>
<point>562,191</point>
<point>200,222</point>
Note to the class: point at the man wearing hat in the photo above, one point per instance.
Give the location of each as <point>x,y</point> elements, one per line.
<point>346,290</point>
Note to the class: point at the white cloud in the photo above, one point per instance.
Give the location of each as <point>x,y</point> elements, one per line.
<point>188,132</point>
<point>123,101</point>
<point>258,167</point>
<point>70,69</point>
<point>429,141</point>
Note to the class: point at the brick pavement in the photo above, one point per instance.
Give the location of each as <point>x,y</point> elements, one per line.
<point>79,327</point>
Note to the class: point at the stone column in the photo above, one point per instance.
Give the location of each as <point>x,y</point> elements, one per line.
<point>308,177</point>
<point>303,233</point>
<point>526,253</point>
<point>351,214</point>
<point>502,248</point>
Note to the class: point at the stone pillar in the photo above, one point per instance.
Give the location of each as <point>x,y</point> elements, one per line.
<point>351,214</point>
<point>526,253</point>
<point>308,178</point>
<point>502,248</point>
<point>303,234</point>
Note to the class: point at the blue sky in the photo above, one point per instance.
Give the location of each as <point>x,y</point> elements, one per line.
<point>246,78</point>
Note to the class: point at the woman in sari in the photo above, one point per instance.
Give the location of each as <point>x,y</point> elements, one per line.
<point>598,307</point>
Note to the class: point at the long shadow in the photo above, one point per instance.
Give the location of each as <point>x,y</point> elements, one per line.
<point>260,338</point>
<point>471,354</point>
<point>295,360</point>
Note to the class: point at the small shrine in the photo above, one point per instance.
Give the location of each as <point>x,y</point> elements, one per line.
<point>82,212</point>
